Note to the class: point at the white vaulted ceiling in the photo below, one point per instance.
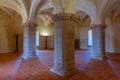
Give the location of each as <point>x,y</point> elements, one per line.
<point>29,10</point>
<point>97,9</point>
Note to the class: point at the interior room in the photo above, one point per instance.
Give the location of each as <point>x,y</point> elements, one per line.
<point>59,40</point>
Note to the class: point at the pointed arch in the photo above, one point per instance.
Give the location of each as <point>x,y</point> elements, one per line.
<point>33,8</point>
<point>14,5</point>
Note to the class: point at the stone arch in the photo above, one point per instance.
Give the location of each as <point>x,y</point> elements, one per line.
<point>8,28</point>
<point>94,9</point>
<point>85,22</point>
<point>112,30</point>
<point>48,12</point>
<point>13,5</point>
<point>46,29</point>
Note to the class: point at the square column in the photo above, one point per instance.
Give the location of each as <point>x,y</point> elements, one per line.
<point>98,37</point>
<point>64,63</point>
<point>29,40</point>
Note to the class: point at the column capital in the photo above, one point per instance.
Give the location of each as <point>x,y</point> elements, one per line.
<point>65,17</point>
<point>98,26</point>
<point>30,24</point>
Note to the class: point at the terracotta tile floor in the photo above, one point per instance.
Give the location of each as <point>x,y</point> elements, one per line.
<point>12,67</point>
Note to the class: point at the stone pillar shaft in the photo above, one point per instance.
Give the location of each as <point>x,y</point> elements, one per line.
<point>98,33</point>
<point>29,40</point>
<point>64,63</point>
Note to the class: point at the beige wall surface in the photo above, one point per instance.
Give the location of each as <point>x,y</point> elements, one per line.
<point>50,39</point>
<point>45,30</point>
<point>9,27</point>
<point>4,47</point>
<point>112,33</point>
<point>84,34</point>
<point>113,37</point>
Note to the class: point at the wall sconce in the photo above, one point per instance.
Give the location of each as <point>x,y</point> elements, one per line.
<point>16,48</point>
<point>46,42</point>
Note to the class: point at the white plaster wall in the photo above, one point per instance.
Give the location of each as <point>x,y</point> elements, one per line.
<point>113,37</point>
<point>109,40</point>
<point>45,30</point>
<point>4,47</point>
<point>84,34</point>
<point>50,39</point>
<point>9,27</point>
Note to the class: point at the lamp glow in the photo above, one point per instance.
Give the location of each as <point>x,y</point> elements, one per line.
<point>45,33</point>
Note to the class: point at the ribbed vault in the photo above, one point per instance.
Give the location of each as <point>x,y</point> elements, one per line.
<point>29,10</point>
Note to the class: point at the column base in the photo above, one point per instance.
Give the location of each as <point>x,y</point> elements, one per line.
<point>99,58</point>
<point>29,56</point>
<point>64,73</point>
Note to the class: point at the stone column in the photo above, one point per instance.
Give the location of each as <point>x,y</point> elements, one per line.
<point>29,40</point>
<point>98,37</point>
<point>64,63</point>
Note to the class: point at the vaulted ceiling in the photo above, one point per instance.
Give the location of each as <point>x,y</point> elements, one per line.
<point>30,10</point>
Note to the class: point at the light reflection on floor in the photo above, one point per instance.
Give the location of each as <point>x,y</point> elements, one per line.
<point>114,63</point>
<point>13,67</point>
<point>9,65</point>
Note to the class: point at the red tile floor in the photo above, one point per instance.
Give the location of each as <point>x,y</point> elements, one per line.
<point>13,67</point>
